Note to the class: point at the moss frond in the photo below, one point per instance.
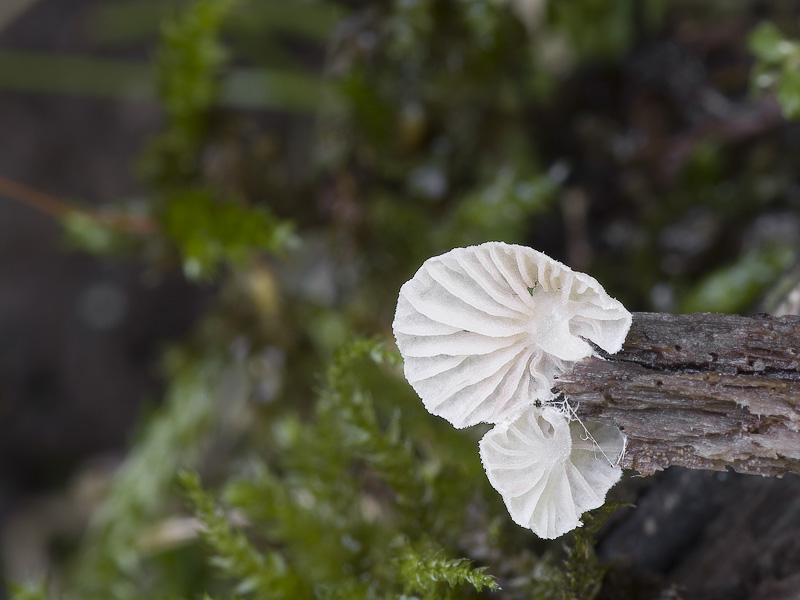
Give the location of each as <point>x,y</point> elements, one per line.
<point>423,571</point>
<point>263,573</point>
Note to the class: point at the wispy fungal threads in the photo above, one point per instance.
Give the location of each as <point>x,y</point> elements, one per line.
<point>484,331</point>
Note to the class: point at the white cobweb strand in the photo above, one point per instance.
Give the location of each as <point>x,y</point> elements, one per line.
<point>550,470</point>
<point>484,330</point>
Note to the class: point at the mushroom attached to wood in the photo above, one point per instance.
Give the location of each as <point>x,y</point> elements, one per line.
<point>550,470</point>
<point>484,330</point>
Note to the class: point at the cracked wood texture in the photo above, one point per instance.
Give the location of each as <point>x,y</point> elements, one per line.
<point>703,391</point>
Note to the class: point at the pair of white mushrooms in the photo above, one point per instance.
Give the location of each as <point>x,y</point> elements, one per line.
<point>484,331</point>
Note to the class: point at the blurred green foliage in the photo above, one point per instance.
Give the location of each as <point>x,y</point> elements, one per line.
<point>265,574</point>
<point>209,232</point>
<point>396,131</point>
<point>736,287</point>
<point>111,561</point>
<point>84,232</point>
<point>188,73</point>
<point>313,503</point>
<point>29,591</point>
<point>777,66</point>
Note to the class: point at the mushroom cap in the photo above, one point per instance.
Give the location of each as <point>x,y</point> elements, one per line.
<point>484,330</point>
<point>549,471</point>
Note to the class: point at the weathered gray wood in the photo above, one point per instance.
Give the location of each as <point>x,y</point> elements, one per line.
<point>703,391</point>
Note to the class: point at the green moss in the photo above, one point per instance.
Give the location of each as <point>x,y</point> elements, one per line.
<point>210,233</point>
<point>735,287</point>
<point>777,66</point>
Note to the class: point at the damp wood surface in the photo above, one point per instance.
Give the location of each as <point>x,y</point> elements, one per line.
<point>703,391</point>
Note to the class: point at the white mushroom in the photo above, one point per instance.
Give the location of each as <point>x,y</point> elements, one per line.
<point>550,470</point>
<point>484,330</point>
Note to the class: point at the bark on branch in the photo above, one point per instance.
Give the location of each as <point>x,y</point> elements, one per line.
<point>703,391</point>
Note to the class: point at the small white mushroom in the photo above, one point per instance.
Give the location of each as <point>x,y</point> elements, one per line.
<point>484,330</point>
<point>550,470</point>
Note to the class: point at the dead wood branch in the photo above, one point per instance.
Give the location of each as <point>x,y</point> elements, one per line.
<point>704,391</point>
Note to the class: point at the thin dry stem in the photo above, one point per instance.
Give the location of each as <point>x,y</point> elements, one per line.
<point>58,208</point>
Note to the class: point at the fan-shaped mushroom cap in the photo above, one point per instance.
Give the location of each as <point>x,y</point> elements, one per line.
<point>484,330</point>
<point>549,471</point>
